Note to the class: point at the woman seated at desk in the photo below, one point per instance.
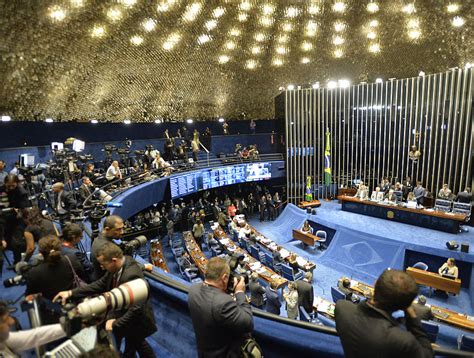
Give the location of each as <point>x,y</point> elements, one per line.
<point>449,268</point>
<point>307,227</point>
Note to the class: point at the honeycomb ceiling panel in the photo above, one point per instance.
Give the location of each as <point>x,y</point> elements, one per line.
<point>174,59</point>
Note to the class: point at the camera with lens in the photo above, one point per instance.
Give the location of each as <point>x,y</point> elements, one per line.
<point>22,268</point>
<point>130,246</point>
<point>234,262</point>
<point>86,158</point>
<point>110,148</point>
<point>123,151</point>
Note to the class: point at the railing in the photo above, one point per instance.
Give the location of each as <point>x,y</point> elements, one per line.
<point>169,282</point>
<point>206,150</point>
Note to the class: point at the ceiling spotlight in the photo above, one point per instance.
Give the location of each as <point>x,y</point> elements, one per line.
<point>127,121</point>
<point>453,7</point>
<point>163,6</point>
<point>344,83</point>
<point>210,25</point>
<point>287,27</point>
<point>313,9</point>
<point>149,25</point>
<point>290,87</point>
<point>458,21</point>
<point>77,3</point>
<point>6,118</point>
<point>230,45</point>
<point>242,17</point>
<point>306,46</point>
<point>338,40</point>
<point>291,12</point>
<point>171,41</point>
<point>305,60</point>
<point>203,39</point>
<point>277,62</point>
<point>98,31</point>
<point>224,59</point>
<point>266,21</point>
<point>372,7</point>
<point>339,26</point>
<point>136,40</point>
<point>259,37</point>
<point>158,121</point>
<point>255,50</point>
<point>339,6</point>
<point>57,13</point>
<point>311,28</point>
<point>94,121</point>
<point>371,35</point>
<point>114,14</point>
<point>421,74</point>
<point>251,64</point>
<point>128,3</point>
<point>245,6</point>
<point>409,8</point>
<point>373,23</point>
<point>281,88</point>
<point>413,23</point>
<point>282,39</point>
<point>234,32</point>
<point>374,48</point>
<point>338,53</point>
<point>221,120</point>
<point>315,85</point>
<point>468,65</point>
<point>192,11</point>
<point>280,50</point>
<point>332,84</point>
<point>268,9</point>
<point>414,34</point>
<point>189,121</point>
<point>218,12</point>
<point>378,80</point>
<point>49,120</point>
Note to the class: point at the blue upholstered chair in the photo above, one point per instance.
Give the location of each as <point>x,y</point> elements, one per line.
<point>337,294</point>
<point>421,266</point>
<point>268,259</point>
<point>466,343</point>
<point>431,329</point>
<point>322,235</point>
<point>254,252</point>
<point>288,273</point>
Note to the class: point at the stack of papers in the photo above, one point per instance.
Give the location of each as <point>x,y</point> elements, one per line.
<point>255,266</point>
<point>301,261</point>
<point>260,270</point>
<point>224,241</point>
<point>284,253</point>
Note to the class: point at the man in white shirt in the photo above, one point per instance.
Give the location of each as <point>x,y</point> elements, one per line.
<point>13,343</point>
<point>113,172</point>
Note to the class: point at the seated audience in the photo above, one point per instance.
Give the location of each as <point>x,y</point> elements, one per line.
<point>344,286</point>
<point>113,172</point>
<point>256,291</point>
<point>185,262</point>
<point>445,193</point>
<point>391,197</point>
<point>422,310</point>
<point>368,330</point>
<point>273,299</point>
<point>290,295</point>
<point>449,268</point>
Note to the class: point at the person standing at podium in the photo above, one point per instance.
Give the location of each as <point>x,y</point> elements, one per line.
<point>307,228</point>
<point>449,268</point>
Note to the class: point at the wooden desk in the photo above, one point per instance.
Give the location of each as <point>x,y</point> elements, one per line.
<point>309,204</point>
<point>459,320</point>
<point>324,307</point>
<point>195,252</point>
<point>263,272</point>
<point>305,237</point>
<point>434,280</point>
<point>432,219</point>
<point>156,255</point>
<point>271,246</point>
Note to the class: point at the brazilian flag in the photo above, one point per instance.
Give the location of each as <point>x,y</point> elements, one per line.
<point>327,159</point>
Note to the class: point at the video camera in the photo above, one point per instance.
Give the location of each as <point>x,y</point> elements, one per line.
<point>22,268</point>
<point>233,263</point>
<point>129,247</point>
<point>109,148</point>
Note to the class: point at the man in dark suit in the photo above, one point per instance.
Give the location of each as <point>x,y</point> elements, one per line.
<point>63,201</point>
<point>86,189</point>
<point>344,286</point>
<point>465,196</point>
<point>368,329</point>
<point>273,299</point>
<point>112,230</point>
<point>133,324</point>
<point>422,310</point>
<point>221,324</point>
<point>256,291</point>
<point>305,292</point>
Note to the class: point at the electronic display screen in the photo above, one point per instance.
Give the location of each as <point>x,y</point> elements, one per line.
<point>181,185</point>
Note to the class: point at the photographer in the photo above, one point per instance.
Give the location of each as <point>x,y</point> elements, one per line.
<point>133,324</point>
<point>56,273</point>
<point>112,230</point>
<point>221,324</point>
<point>72,236</point>
<point>13,343</point>
<point>63,201</point>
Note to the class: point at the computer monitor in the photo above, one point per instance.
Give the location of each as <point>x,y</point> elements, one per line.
<point>27,160</point>
<point>57,146</point>
<point>78,145</point>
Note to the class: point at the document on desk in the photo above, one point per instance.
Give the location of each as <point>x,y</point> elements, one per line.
<point>284,253</point>
<point>301,261</point>
<point>354,283</point>
<point>255,266</point>
<point>224,241</point>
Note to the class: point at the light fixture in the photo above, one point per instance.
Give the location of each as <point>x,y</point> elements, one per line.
<point>128,3</point>
<point>338,40</point>
<point>242,17</point>
<point>413,23</point>
<point>94,121</point>
<point>315,85</point>
<point>210,25</point>
<point>453,7</point>
<point>371,35</point>
<point>372,7</point>
<point>259,37</point>
<point>409,8</point>
<point>149,25</point>
<point>414,34</point>
<point>287,27</point>
<point>49,120</point>
<point>311,28</point>
<point>305,60</point>
<point>136,40</point>
<point>251,64</point>
<point>332,84</point>
<point>374,48</point>
<point>306,46</point>
<point>338,53</point>
<point>458,21</point>
<point>189,121</point>
<point>421,74</point>
<point>230,45</point>
<point>57,13</point>
<point>282,39</point>
<point>277,62</point>
<point>344,83</point>
<point>313,9</point>
<point>245,6</point>
<point>127,121</point>
<point>291,12</point>
<point>6,118</point>
<point>268,9</point>
<point>266,21</point>
<point>218,12</point>
<point>373,23</point>
<point>224,59</point>
<point>114,14</point>
<point>98,31</point>
<point>378,80</point>
<point>171,41</point>
<point>255,50</point>
<point>234,32</point>
<point>290,87</point>
<point>339,6</point>
<point>77,3</point>
<point>280,50</point>
<point>191,12</point>
<point>468,65</point>
<point>339,26</point>
<point>163,6</point>
<point>203,39</point>
<point>158,121</point>
<point>221,120</point>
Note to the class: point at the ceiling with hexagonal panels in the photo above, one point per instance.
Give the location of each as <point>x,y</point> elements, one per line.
<point>173,59</point>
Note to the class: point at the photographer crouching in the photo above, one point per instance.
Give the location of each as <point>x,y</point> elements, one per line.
<point>133,324</point>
